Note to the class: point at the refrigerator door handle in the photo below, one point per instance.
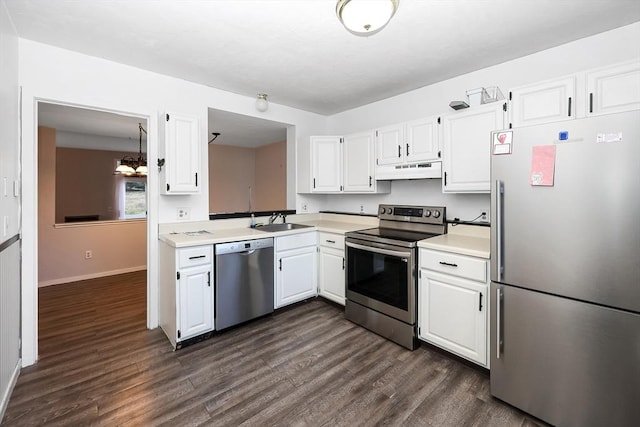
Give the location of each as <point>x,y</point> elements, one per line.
<point>498,322</point>
<point>499,197</point>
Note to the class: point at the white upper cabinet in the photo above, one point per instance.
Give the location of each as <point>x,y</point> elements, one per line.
<point>390,140</point>
<point>613,89</point>
<point>466,149</point>
<point>422,140</point>
<point>181,155</point>
<point>409,142</point>
<point>326,165</point>
<point>344,164</point>
<point>545,102</point>
<point>358,158</point>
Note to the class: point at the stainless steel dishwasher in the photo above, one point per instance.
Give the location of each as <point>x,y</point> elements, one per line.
<point>244,281</point>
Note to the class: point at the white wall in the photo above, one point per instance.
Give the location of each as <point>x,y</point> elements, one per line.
<point>58,75</point>
<point>610,47</point>
<point>9,210</point>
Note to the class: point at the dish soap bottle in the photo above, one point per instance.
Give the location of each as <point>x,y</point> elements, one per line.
<point>253,221</point>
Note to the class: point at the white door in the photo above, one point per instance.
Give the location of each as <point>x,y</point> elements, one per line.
<point>547,102</point>
<point>613,89</point>
<point>389,140</point>
<point>331,274</point>
<point>196,301</point>
<point>296,275</point>
<point>358,152</point>
<point>422,140</point>
<point>453,315</point>
<point>326,166</point>
<point>182,154</point>
<point>466,148</point>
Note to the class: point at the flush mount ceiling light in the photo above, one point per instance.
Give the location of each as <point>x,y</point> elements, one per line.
<point>262,104</point>
<point>133,167</point>
<point>365,17</point>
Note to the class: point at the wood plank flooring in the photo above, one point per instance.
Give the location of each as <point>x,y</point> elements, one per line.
<point>303,366</point>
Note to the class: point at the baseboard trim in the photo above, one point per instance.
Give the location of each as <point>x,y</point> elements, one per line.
<point>7,392</point>
<point>90,276</point>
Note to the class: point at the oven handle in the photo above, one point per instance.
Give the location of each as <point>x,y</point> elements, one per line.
<point>400,254</point>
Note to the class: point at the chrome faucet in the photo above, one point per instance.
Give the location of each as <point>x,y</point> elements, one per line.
<point>274,216</point>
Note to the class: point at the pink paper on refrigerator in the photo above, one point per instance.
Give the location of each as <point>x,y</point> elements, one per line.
<point>543,163</point>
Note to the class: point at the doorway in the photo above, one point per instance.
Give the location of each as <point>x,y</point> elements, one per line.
<point>92,221</point>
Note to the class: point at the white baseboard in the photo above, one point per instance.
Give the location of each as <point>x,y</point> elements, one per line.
<point>90,276</point>
<point>7,392</point>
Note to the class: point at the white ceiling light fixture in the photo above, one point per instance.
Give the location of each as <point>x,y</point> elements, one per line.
<point>365,17</point>
<point>262,104</point>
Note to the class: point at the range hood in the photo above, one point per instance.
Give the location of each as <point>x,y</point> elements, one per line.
<point>421,170</point>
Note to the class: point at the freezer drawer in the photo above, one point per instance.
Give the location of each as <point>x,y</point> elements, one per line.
<point>567,362</point>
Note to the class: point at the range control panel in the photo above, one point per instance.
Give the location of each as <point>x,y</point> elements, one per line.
<point>421,214</point>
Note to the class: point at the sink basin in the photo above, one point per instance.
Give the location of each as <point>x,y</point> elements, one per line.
<point>272,228</point>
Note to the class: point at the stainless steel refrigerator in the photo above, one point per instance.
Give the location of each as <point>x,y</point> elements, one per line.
<point>565,270</point>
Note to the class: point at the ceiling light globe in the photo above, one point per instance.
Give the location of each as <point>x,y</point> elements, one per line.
<point>262,104</point>
<point>365,17</point>
<point>142,170</point>
<point>124,169</point>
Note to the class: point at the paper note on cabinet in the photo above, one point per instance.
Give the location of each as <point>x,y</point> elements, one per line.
<point>543,163</point>
<point>502,142</point>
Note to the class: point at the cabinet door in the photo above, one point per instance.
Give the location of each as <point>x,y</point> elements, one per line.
<point>296,275</point>
<point>196,301</point>
<point>546,102</point>
<point>182,154</point>
<point>452,314</point>
<point>326,166</point>
<point>613,89</point>
<point>331,274</point>
<point>466,138</point>
<point>422,140</point>
<point>390,140</point>
<point>358,151</point>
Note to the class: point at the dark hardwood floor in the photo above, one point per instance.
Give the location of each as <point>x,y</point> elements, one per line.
<point>303,366</point>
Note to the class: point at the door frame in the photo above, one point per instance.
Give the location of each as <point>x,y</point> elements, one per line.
<point>29,217</point>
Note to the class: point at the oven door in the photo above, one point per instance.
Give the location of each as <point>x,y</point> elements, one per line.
<point>382,277</point>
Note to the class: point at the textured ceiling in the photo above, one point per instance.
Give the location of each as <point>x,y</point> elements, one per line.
<point>296,50</point>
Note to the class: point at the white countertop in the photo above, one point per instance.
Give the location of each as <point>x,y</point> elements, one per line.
<point>184,236</point>
<point>463,240</point>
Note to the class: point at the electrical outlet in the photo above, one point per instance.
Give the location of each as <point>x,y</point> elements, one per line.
<point>88,254</point>
<point>483,216</point>
<point>183,214</point>
<point>304,207</point>
<point>361,208</point>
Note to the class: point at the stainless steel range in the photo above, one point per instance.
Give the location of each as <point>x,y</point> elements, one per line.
<point>382,276</point>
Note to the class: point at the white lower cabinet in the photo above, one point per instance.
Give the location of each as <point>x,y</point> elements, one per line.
<point>296,268</point>
<point>331,267</point>
<point>186,291</point>
<point>453,303</point>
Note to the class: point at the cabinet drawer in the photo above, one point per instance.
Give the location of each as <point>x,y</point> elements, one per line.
<point>331,240</point>
<point>196,255</point>
<point>293,241</point>
<point>454,264</point>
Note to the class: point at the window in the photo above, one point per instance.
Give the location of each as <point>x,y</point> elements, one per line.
<point>131,197</point>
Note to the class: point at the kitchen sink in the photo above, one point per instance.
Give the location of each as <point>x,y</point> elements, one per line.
<point>272,228</point>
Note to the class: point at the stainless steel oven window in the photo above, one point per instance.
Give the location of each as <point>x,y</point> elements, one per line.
<point>382,277</point>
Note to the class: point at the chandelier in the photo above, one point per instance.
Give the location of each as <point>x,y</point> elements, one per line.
<point>133,167</point>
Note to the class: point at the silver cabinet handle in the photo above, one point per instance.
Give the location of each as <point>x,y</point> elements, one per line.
<point>498,321</point>
<point>499,225</point>
<point>330,241</point>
